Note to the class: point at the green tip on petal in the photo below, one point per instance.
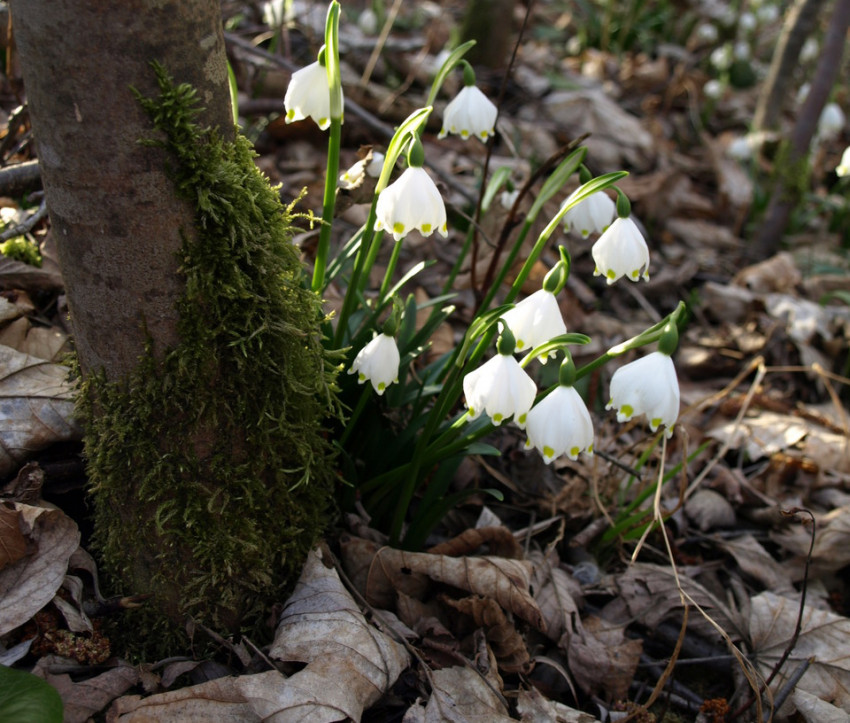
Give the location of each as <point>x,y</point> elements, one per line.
<point>521,419</point>
<point>627,410</point>
<point>610,274</point>
<point>574,451</point>
<point>361,377</point>
<point>426,228</point>
<point>654,423</point>
<point>548,451</point>
<point>398,227</point>
<point>497,418</point>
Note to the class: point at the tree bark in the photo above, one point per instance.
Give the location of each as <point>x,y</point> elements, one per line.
<point>787,190</point>
<point>113,210</point>
<point>798,25</point>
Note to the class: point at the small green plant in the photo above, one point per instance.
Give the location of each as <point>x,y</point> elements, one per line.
<point>411,422</point>
<point>26,698</point>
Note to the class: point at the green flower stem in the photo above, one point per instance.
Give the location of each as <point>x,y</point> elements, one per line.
<point>388,275</point>
<point>447,68</point>
<point>331,174</point>
<point>351,422</point>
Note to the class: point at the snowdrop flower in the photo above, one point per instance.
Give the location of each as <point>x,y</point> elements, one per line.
<point>378,362</point>
<point>353,177</point>
<point>367,21</point>
<point>722,57</point>
<point>649,386</point>
<point>741,50</point>
<point>810,50</point>
<point>309,95</point>
<point>767,14</point>
<point>802,93</point>
<point>275,13</point>
<point>535,320</point>
<point>713,89</point>
<point>412,202</point>
<point>707,33</point>
<point>561,424</point>
<point>831,122</point>
<point>843,169</point>
<point>374,166</point>
<point>500,387</point>
<point>621,250</point>
<point>471,113</point>
<point>508,198</point>
<point>747,22</point>
<point>740,149</point>
<point>593,214</point>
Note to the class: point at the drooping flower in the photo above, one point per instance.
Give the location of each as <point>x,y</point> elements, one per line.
<point>647,386</point>
<point>831,122</point>
<point>471,113</point>
<point>621,251</point>
<point>501,388</point>
<point>843,169</point>
<point>535,320</point>
<point>412,202</point>
<point>378,362</point>
<point>560,424</point>
<point>308,95</point>
<point>593,214</point>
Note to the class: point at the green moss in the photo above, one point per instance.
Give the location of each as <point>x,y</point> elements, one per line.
<point>20,249</point>
<point>210,470</point>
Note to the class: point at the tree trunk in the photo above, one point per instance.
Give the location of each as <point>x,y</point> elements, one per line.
<point>113,210</point>
<point>205,381</point>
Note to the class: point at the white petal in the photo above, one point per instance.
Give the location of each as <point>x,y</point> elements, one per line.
<point>621,251</point>
<point>413,201</point>
<point>470,113</point>
<point>593,214</point>
<point>309,95</point>
<point>647,386</point>
<point>535,320</point>
<point>377,362</point>
<point>560,424</point>
<point>501,388</point>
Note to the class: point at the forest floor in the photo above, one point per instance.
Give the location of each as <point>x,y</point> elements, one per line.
<point>564,601</point>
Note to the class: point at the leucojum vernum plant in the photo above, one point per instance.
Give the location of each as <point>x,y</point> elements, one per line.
<point>410,423</point>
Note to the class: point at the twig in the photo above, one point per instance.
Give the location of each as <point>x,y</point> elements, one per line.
<point>478,293</point>
<point>19,178</point>
<point>791,683</point>
<point>792,642</point>
<point>27,225</point>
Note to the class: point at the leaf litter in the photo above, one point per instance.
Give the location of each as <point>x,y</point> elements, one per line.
<point>539,614</point>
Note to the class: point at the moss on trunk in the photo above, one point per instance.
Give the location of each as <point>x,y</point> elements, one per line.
<point>210,472</point>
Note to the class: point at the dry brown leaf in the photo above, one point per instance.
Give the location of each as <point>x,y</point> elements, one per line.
<point>651,595</point>
<point>556,594</point>
<point>708,509</point>
<point>38,407</point>
<point>507,644</point>
<point>815,710</point>
<point>18,275</point>
<point>534,708</point>
<point>459,695</point>
<point>825,637</point>
<point>13,544</point>
<point>500,540</point>
<point>30,583</point>
<point>601,658</point>
<point>350,665</point>
<point>37,341</point>
<point>506,581</point>
<point>321,622</point>
<point>757,562</point>
<point>831,551</point>
<point>81,700</point>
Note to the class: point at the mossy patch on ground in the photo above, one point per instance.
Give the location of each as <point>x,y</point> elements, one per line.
<point>210,470</point>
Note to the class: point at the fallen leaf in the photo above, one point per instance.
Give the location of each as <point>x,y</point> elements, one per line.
<point>757,562</point>
<point>815,710</point>
<point>506,581</point>
<point>556,594</point>
<point>36,402</point>
<point>500,540</point>
<point>831,550</point>
<point>84,698</point>
<point>535,708</point>
<point>461,695</point>
<point>601,658</point>
<point>824,637</point>
<point>30,583</point>
<point>13,544</point>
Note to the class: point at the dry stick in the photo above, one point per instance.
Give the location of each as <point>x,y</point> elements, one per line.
<point>19,178</point>
<point>27,225</point>
<point>473,261</point>
<point>792,642</point>
<point>785,196</point>
<point>379,45</point>
<point>791,683</point>
<point>798,25</point>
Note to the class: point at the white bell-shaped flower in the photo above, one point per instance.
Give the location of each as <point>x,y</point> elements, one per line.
<point>309,95</point>
<point>592,215</point>
<point>471,113</point>
<point>560,424</point>
<point>647,386</point>
<point>535,320</point>
<point>378,362</point>
<point>843,169</point>
<point>501,388</point>
<point>412,202</point>
<point>621,251</point>
<point>831,122</point>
